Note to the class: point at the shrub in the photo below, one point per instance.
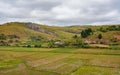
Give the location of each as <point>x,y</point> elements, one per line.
<point>28,46</point>
<point>100,36</point>
<point>102,29</point>
<point>10,41</point>
<point>2,37</point>
<point>13,36</point>
<point>113,28</point>
<point>3,43</point>
<point>37,46</point>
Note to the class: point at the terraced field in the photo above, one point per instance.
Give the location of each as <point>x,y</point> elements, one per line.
<point>58,61</point>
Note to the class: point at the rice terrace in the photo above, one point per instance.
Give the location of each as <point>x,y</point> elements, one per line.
<point>59,61</point>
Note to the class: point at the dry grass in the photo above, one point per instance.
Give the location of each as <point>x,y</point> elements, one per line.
<point>47,60</point>
<point>106,61</point>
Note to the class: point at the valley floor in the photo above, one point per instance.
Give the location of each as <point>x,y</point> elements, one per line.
<point>58,61</point>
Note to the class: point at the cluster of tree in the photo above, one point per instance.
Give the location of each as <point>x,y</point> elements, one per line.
<point>78,42</point>
<point>85,33</point>
<point>6,40</point>
<point>102,29</point>
<point>110,28</point>
<point>2,37</point>
<point>114,28</point>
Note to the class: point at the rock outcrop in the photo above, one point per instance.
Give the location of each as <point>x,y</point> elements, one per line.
<point>36,27</point>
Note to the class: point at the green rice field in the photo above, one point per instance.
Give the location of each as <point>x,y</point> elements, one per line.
<point>58,61</point>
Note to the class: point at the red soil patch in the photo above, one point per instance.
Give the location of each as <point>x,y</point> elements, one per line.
<point>117,37</point>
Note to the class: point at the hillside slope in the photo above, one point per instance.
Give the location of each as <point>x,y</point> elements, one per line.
<point>31,31</point>
<point>26,30</point>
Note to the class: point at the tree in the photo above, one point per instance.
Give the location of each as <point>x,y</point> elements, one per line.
<point>89,31</point>
<point>100,36</point>
<point>85,33</point>
<point>75,36</point>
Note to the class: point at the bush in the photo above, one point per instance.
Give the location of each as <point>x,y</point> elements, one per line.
<point>13,36</point>
<point>3,43</point>
<point>37,46</point>
<point>100,36</point>
<point>10,41</point>
<point>17,41</point>
<point>102,29</point>
<point>51,44</point>
<point>28,46</point>
<point>2,37</point>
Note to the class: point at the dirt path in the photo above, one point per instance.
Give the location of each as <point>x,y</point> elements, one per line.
<point>24,69</point>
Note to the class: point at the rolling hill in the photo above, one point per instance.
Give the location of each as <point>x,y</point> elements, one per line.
<point>28,31</point>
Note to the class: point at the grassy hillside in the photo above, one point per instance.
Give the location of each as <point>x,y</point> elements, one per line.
<point>30,31</point>
<point>21,30</point>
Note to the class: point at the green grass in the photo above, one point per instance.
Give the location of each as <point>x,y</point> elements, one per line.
<point>9,63</point>
<point>58,61</point>
<point>91,70</point>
